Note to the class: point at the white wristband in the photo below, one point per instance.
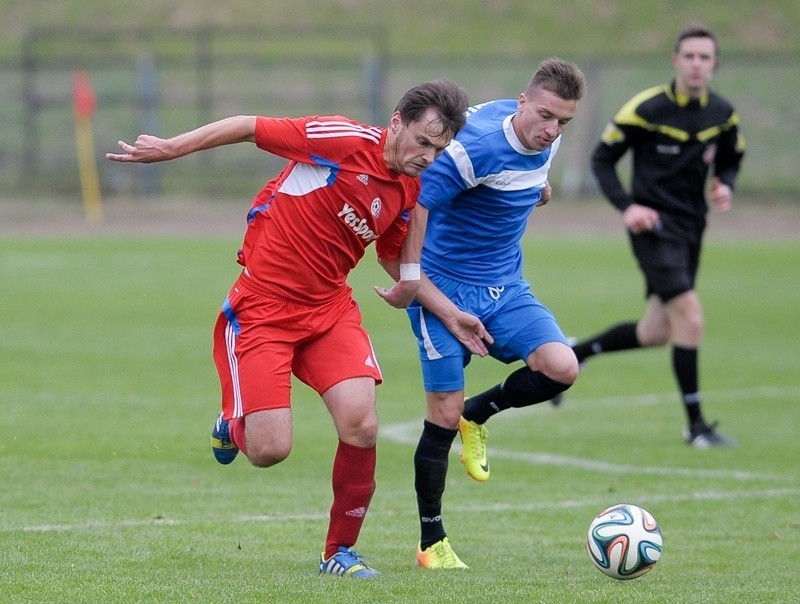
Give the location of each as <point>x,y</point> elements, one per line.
<point>409,272</point>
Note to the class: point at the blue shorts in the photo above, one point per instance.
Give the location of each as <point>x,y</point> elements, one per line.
<point>517,321</point>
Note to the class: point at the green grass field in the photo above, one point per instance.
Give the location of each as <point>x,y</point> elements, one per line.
<point>110,493</point>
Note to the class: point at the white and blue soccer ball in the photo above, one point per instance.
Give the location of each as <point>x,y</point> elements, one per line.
<point>624,541</point>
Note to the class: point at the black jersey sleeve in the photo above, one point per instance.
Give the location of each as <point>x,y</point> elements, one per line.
<point>612,146</point>
<point>730,151</point>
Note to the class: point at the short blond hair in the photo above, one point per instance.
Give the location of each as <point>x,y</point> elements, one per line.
<point>559,77</point>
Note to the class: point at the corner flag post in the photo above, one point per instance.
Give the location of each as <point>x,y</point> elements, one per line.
<point>84,105</point>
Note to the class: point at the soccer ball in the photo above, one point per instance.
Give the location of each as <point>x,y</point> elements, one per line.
<point>624,541</point>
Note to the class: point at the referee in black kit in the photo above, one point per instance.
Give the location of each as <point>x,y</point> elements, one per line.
<point>678,133</point>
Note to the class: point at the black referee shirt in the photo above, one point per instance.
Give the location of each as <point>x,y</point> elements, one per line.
<point>675,140</point>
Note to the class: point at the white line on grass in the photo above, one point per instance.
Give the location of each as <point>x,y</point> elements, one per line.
<point>92,525</point>
<point>642,499</point>
<point>407,433</point>
<point>321,516</point>
<point>645,400</point>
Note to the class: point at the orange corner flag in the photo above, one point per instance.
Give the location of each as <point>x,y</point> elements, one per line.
<point>84,105</point>
<point>83,96</point>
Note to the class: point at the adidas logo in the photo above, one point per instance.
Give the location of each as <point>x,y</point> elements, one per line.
<point>368,362</point>
<point>363,178</point>
<point>357,512</point>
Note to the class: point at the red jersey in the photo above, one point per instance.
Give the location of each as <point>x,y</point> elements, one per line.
<point>309,226</point>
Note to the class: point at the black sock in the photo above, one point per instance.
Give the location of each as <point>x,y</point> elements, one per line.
<point>685,366</point>
<point>520,389</point>
<point>524,388</point>
<point>618,337</point>
<point>480,407</point>
<point>430,473</point>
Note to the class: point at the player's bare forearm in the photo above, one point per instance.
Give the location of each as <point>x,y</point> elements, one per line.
<point>148,149</point>
<point>400,295</point>
<point>467,328</point>
<point>391,266</point>
<point>411,252</point>
<point>405,269</point>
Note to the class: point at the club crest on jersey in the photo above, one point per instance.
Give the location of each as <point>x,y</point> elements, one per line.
<point>375,208</point>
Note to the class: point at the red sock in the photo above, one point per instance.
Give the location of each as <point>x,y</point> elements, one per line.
<point>353,484</point>
<point>236,431</point>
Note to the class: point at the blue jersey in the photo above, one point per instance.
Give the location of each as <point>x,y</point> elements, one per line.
<point>480,193</point>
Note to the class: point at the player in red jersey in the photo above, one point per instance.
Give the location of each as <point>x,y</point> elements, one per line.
<point>346,185</point>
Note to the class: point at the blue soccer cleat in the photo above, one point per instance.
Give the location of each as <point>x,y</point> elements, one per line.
<point>345,563</point>
<point>221,444</point>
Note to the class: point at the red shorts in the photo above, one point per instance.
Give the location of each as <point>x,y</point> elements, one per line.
<point>259,341</point>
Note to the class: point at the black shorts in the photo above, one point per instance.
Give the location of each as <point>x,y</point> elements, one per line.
<point>670,256</point>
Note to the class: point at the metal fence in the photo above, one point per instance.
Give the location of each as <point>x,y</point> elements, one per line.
<point>166,81</point>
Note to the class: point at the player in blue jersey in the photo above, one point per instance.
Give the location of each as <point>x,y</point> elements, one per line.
<point>473,298</point>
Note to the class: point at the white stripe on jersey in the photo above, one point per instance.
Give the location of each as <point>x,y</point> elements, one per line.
<point>505,180</point>
<point>317,129</point>
<point>305,178</point>
<point>515,180</point>
<point>463,163</point>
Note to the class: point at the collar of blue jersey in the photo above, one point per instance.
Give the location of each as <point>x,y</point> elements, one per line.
<point>681,99</point>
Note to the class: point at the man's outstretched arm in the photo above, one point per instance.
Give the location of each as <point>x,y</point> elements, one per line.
<point>149,149</point>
